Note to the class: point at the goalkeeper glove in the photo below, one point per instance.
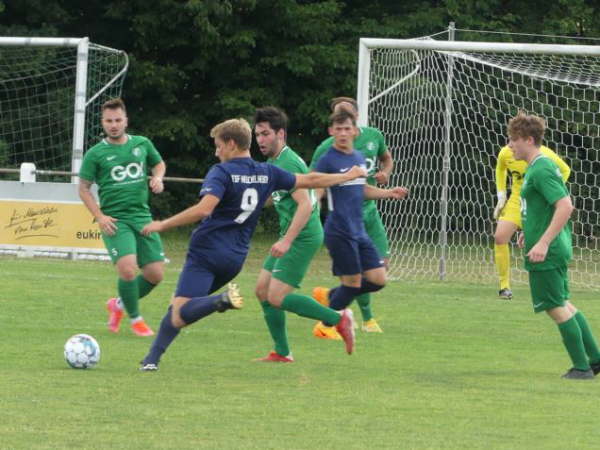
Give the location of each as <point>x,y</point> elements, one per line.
<point>500,204</point>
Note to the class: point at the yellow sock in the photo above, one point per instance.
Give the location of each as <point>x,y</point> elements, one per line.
<point>502,259</point>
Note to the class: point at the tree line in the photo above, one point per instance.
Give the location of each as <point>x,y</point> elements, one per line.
<point>197,62</point>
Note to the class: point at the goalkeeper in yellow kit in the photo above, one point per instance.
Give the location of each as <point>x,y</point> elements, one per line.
<point>508,213</point>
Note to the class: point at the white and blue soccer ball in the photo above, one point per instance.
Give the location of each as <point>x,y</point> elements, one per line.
<point>82,351</point>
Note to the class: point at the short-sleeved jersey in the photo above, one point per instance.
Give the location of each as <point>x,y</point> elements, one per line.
<point>283,201</point>
<point>242,185</point>
<point>344,200</point>
<point>507,164</point>
<point>542,187</point>
<point>370,143</point>
<point>120,172</point>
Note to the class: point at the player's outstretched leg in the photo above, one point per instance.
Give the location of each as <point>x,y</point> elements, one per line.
<point>200,307</point>
<point>185,312</point>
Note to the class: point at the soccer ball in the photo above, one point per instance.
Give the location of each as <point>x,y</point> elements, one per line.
<point>82,351</point>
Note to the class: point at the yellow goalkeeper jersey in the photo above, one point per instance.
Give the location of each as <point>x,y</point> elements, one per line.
<point>507,164</point>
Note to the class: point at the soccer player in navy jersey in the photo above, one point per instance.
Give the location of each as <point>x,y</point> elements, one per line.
<point>356,261</point>
<point>232,196</point>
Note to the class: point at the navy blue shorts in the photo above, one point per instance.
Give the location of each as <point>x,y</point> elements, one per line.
<point>205,273</point>
<point>352,256</point>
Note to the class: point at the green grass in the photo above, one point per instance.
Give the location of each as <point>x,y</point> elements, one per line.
<point>455,368</point>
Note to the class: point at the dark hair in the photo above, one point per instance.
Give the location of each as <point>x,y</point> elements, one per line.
<point>276,118</point>
<point>337,100</point>
<point>114,103</point>
<point>341,116</point>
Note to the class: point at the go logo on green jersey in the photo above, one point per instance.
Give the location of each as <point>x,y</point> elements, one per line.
<point>133,170</point>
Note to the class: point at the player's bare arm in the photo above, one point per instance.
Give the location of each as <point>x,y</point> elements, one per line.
<point>324,180</point>
<point>193,214</point>
<point>106,223</point>
<point>386,165</point>
<point>158,173</point>
<point>301,216</point>
<point>562,212</point>
<point>375,193</point>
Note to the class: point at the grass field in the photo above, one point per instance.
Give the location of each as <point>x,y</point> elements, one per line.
<point>455,368</point>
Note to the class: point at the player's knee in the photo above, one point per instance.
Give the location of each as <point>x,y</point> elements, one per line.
<point>261,292</point>
<point>128,273</point>
<point>275,299</point>
<point>500,238</point>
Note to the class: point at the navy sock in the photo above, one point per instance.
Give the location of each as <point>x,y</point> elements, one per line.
<point>166,334</point>
<point>198,307</point>
<point>342,296</point>
<point>366,286</point>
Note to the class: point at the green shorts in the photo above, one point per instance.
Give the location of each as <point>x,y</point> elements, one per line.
<point>291,267</point>
<point>128,240</point>
<point>549,288</point>
<point>376,231</point>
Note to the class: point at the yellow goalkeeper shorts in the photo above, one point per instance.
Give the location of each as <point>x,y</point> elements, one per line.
<point>512,210</point>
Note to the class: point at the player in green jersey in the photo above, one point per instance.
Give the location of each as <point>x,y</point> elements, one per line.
<point>119,165</point>
<point>300,236</point>
<point>371,143</point>
<point>545,212</point>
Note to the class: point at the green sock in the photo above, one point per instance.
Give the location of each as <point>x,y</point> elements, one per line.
<point>589,341</point>
<point>364,302</point>
<point>275,319</point>
<point>571,334</point>
<point>144,286</point>
<point>129,293</point>
<point>308,307</point>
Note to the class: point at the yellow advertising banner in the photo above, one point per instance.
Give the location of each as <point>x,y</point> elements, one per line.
<point>52,224</point>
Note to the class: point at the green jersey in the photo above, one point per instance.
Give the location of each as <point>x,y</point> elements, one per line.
<point>542,187</point>
<point>120,172</point>
<point>370,143</point>
<point>284,203</point>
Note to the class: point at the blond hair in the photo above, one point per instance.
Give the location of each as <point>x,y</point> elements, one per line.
<point>527,125</point>
<point>236,130</point>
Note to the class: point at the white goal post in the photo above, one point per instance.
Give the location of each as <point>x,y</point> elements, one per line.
<point>50,93</point>
<point>443,107</point>
<point>51,90</point>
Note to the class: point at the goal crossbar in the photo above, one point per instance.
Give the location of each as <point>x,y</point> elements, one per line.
<point>489,47</point>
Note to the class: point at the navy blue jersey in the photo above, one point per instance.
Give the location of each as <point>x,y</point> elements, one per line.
<point>345,200</point>
<point>243,185</point>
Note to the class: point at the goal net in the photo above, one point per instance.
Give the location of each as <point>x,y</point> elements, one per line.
<point>40,80</point>
<point>443,107</point>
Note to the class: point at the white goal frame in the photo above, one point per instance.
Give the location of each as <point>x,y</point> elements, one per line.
<point>452,49</point>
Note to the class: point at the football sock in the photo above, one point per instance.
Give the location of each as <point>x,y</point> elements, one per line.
<point>571,334</point>
<point>308,307</point>
<point>275,319</point>
<point>199,307</point>
<point>166,334</point>
<point>366,286</point>
<point>364,302</point>
<point>129,293</point>
<point>502,259</point>
<point>144,286</point>
<point>342,296</point>
<point>589,341</point>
